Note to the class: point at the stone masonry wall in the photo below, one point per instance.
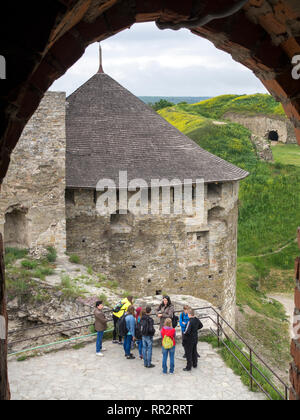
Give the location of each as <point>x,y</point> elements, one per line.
<point>262,125</point>
<point>33,194</point>
<point>165,253</point>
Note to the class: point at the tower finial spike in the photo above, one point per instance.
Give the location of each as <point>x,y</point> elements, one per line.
<point>100,59</point>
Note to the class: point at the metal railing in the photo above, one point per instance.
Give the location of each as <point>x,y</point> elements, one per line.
<point>250,358</point>
<point>222,329</point>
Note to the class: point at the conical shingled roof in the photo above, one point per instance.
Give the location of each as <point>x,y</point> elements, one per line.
<point>110,130</point>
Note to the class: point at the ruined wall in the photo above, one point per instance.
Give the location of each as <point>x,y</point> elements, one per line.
<point>261,125</point>
<point>165,253</point>
<point>32,205</point>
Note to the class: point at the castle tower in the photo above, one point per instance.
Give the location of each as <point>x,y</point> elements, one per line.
<point>110,130</point>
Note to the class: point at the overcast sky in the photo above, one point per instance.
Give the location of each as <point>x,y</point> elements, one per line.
<point>150,62</point>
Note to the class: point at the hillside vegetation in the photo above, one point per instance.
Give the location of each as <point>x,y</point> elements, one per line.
<point>268,214</point>
<point>245,104</point>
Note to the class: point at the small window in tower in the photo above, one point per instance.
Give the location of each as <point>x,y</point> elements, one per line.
<point>199,236</point>
<point>69,196</point>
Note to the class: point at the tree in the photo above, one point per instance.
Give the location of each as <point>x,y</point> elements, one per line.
<point>162,103</point>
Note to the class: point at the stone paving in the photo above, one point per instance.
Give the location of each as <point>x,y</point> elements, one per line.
<point>81,375</point>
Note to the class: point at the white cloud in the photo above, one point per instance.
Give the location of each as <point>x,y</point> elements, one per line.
<point>151,62</point>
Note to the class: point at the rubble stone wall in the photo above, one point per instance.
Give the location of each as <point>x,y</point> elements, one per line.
<point>32,205</point>
<point>163,253</point>
<point>261,125</point>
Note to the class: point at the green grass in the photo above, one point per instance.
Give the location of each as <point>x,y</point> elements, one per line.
<point>74,259</point>
<point>270,197</point>
<point>287,154</point>
<point>272,335</point>
<point>249,293</point>
<point>269,209</point>
<point>244,104</point>
<point>29,264</point>
<point>183,121</point>
<point>238,369</point>
<point>20,278</point>
<point>42,272</point>
<point>14,254</point>
<point>70,290</point>
<point>52,254</point>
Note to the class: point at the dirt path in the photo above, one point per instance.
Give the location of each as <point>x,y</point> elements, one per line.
<point>288,302</point>
<point>277,250</point>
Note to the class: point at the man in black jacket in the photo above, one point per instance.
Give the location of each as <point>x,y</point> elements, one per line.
<point>148,331</point>
<point>190,340</point>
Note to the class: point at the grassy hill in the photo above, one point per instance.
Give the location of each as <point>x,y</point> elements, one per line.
<point>269,197</point>
<point>245,104</point>
<point>268,214</point>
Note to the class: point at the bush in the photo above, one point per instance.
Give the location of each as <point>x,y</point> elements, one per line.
<point>163,103</point>
<point>74,259</point>
<point>30,265</point>
<point>52,254</point>
<point>42,272</point>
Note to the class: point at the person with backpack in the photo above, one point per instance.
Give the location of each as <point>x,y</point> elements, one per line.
<point>190,340</point>
<point>165,310</point>
<point>118,311</point>
<point>138,330</point>
<point>183,321</point>
<point>168,334</point>
<point>127,329</point>
<point>100,326</point>
<point>148,331</point>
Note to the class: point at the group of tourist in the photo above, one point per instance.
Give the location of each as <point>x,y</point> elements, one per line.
<point>136,326</point>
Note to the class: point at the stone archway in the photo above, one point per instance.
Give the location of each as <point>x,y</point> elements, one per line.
<point>41,40</point>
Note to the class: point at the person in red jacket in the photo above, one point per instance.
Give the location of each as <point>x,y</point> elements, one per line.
<point>168,334</point>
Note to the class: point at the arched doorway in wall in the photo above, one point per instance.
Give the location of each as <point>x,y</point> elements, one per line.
<point>16,228</point>
<point>273,136</point>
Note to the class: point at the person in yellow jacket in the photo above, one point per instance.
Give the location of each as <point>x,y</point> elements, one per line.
<point>120,310</point>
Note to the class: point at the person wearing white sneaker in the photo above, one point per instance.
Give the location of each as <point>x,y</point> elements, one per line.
<point>100,326</point>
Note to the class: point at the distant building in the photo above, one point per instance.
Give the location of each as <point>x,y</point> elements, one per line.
<point>49,195</point>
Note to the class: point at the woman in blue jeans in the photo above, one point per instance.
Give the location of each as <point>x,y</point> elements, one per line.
<point>168,333</point>
<point>130,324</point>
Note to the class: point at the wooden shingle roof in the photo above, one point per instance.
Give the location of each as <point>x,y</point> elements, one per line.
<point>110,130</point>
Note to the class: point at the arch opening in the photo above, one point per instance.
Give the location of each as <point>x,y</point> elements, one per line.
<point>16,229</point>
<point>273,136</point>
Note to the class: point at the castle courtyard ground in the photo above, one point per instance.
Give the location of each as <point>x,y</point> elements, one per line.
<point>81,375</point>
